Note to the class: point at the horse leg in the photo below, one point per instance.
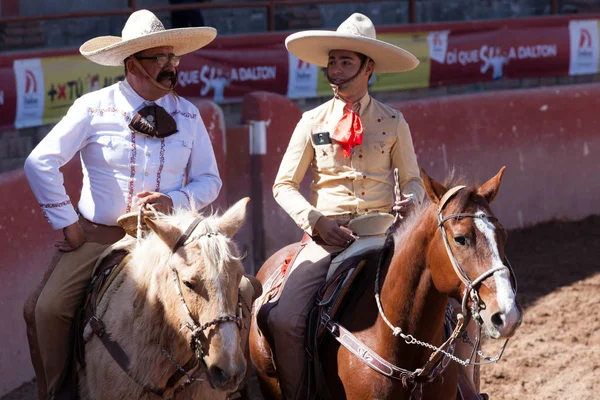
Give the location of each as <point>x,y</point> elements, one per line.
<point>261,358</point>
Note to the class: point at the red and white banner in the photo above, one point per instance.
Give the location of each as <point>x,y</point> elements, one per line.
<point>8,96</point>
<point>33,90</point>
<point>465,57</point>
<point>584,47</point>
<point>224,75</point>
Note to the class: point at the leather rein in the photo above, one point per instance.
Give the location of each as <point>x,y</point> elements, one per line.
<point>441,355</point>
<point>196,361</point>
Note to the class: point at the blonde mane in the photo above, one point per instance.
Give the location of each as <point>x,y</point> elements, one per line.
<point>216,249</point>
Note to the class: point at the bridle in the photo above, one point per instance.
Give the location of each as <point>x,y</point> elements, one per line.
<point>471,286</point>
<point>197,329</point>
<point>433,367</point>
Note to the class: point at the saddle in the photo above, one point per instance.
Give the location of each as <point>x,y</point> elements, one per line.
<point>105,278</point>
<point>371,231</point>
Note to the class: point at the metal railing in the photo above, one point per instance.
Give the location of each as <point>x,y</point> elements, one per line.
<point>270,6</point>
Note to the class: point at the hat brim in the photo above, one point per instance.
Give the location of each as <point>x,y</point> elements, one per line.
<point>112,50</point>
<point>314,47</point>
<point>129,223</point>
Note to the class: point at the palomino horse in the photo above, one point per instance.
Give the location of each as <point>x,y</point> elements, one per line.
<point>393,317</point>
<point>177,302</point>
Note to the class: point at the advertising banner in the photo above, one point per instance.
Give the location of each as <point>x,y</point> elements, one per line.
<point>416,43</point>
<point>584,47</point>
<point>65,79</point>
<point>30,92</point>
<point>302,78</point>
<point>38,91</point>
<point>465,57</point>
<point>8,96</point>
<point>224,75</point>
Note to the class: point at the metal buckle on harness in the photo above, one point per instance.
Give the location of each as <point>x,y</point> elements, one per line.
<point>97,326</point>
<point>332,328</point>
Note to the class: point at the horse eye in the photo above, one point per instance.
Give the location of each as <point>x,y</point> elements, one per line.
<point>188,284</point>
<point>460,240</point>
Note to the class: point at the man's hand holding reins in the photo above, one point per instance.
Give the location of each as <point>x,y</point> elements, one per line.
<point>160,201</point>
<point>404,206</point>
<point>332,233</point>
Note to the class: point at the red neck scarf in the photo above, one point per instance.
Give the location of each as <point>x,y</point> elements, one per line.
<point>348,131</point>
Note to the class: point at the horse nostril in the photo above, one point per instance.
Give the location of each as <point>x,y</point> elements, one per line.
<point>219,376</point>
<point>498,319</point>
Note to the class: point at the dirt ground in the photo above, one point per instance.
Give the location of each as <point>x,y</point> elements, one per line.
<point>556,352</point>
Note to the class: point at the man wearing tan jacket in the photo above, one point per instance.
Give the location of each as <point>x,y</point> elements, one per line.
<point>351,144</point>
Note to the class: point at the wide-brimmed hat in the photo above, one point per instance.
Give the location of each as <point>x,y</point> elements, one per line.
<point>143,30</point>
<point>357,33</point>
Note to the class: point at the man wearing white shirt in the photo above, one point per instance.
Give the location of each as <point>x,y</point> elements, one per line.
<point>139,143</point>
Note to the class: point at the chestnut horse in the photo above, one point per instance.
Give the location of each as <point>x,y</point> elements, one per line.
<point>452,247</point>
<point>175,310</point>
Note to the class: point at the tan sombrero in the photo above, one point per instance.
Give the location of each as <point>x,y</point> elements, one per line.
<point>357,33</point>
<point>143,30</point>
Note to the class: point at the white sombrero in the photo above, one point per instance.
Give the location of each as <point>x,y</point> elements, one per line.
<point>357,33</point>
<point>143,30</point>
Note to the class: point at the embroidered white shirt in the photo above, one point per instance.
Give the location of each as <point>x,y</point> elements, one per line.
<point>117,163</point>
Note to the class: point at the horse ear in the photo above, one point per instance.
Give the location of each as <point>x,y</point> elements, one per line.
<point>232,220</point>
<point>435,190</point>
<point>168,233</point>
<point>489,190</point>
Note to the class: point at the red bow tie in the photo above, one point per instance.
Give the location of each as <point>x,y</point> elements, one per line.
<point>348,131</point>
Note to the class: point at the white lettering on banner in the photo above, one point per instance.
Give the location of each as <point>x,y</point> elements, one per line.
<point>258,73</point>
<point>438,45</point>
<point>583,36</point>
<point>537,51</point>
<point>30,92</point>
<point>302,78</point>
<point>496,58</point>
<point>217,78</point>
<point>1,97</point>
<point>185,78</point>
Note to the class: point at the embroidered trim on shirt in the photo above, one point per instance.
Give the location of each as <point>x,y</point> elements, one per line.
<point>55,205</point>
<point>187,196</point>
<point>101,111</point>
<point>183,114</point>
<point>132,172</point>
<point>162,164</point>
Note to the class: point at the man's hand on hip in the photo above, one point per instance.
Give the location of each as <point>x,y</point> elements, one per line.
<point>332,233</point>
<point>160,201</point>
<point>74,238</point>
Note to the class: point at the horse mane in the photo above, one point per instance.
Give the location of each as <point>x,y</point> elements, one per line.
<point>216,250</point>
<point>407,225</point>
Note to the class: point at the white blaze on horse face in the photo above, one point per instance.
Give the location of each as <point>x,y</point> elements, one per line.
<point>505,295</point>
<point>229,331</point>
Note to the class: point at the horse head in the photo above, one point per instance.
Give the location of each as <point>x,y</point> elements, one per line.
<point>199,290</point>
<point>472,242</point>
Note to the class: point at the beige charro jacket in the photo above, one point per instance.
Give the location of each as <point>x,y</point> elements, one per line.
<point>360,184</point>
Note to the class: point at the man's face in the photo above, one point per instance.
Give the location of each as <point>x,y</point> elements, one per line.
<point>343,64</point>
<point>166,75</point>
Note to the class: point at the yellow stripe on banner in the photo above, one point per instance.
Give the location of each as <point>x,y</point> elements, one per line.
<point>417,44</point>
<point>70,77</point>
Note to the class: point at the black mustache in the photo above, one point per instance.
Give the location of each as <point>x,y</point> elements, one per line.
<point>168,75</point>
